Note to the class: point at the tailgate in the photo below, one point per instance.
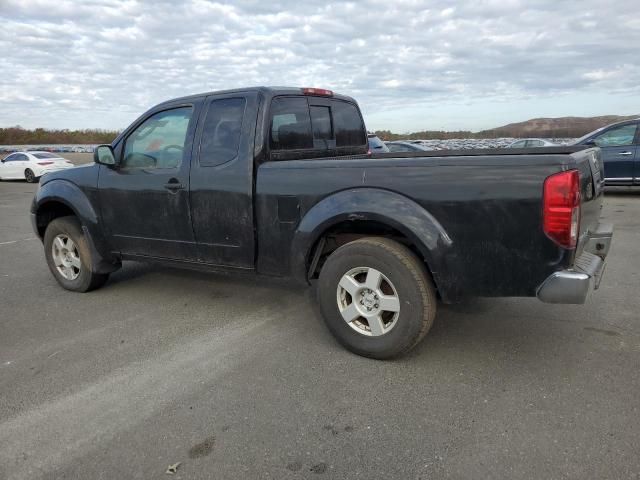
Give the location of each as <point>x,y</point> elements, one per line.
<point>574,284</point>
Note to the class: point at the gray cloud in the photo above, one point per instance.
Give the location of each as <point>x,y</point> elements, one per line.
<point>100,63</point>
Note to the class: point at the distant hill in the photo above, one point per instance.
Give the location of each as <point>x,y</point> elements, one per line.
<point>562,127</point>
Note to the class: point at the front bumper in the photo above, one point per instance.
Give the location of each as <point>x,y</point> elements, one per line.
<point>574,285</point>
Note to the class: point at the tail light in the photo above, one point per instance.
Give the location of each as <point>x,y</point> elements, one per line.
<point>45,163</point>
<point>561,208</point>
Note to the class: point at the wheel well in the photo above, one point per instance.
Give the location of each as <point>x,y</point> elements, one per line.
<point>50,211</point>
<point>349,231</point>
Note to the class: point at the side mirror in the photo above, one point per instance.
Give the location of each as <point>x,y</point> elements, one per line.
<point>103,154</point>
<point>590,143</point>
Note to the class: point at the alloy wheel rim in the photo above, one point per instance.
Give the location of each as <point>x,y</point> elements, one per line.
<point>66,257</point>
<point>368,301</point>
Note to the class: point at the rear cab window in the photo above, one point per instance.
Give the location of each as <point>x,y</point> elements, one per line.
<point>290,124</point>
<point>312,127</point>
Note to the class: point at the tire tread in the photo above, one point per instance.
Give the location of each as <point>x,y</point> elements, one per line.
<point>419,276</point>
<point>88,279</point>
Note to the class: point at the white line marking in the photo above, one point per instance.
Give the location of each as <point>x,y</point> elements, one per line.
<point>16,241</point>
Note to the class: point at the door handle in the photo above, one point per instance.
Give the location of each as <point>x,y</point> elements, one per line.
<point>625,153</point>
<point>173,185</point>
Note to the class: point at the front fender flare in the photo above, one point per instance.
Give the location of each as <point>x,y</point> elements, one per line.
<point>383,206</point>
<point>70,195</point>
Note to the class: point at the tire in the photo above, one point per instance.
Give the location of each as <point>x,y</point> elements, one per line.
<point>29,176</point>
<point>404,321</point>
<point>73,269</point>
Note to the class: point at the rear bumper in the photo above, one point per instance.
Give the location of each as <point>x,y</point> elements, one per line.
<point>574,285</point>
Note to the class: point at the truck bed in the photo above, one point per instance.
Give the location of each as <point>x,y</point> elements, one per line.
<point>489,202</point>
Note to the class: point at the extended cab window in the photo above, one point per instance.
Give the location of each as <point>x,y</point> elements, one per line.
<point>159,141</point>
<point>221,132</point>
<point>290,124</point>
<point>315,127</point>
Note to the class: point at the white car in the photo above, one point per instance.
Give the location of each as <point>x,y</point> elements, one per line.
<point>30,166</point>
<point>532,142</point>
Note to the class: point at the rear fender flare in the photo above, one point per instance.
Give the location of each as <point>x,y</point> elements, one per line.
<point>383,206</point>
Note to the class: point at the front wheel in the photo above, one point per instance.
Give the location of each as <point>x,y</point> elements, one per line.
<point>376,297</point>
<point>69,257</point>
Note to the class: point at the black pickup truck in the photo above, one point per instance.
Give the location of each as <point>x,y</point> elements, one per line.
<point>279,181</point>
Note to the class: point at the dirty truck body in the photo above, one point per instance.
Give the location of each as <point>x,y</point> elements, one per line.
<point>279,182</point>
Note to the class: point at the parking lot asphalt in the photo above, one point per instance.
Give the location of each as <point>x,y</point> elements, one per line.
<point>237,377</point>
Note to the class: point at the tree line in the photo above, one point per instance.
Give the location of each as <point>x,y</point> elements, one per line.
<point>42,136</point>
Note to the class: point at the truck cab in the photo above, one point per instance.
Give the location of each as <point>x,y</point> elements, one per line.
<point>185,170</point>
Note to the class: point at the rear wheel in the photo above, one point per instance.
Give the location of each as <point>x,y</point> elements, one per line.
<point>69,257</point>
<point>29,176</point>
<point>376,297</point>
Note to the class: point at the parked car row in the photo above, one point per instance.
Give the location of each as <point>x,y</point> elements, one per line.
<point>474,143</point>
<point>427,145</point>
<point>619,143</point>
<point>47,148</point>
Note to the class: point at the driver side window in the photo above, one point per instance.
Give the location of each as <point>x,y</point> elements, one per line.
<point>159,141</point>
<point>617,137</point>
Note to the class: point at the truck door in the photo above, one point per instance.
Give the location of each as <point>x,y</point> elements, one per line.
<point>144,200</point>
<point>222,181</point>
<point>619,153</point>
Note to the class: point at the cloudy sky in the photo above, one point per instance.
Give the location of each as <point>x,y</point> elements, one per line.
<point>411,64</point>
